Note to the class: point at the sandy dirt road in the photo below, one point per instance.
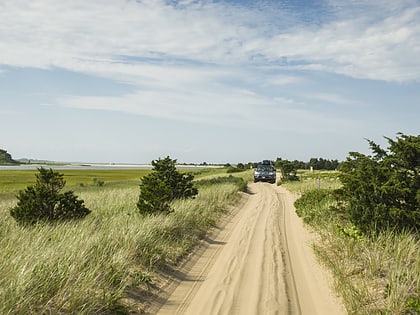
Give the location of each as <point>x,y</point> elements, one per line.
<point>259,262</point>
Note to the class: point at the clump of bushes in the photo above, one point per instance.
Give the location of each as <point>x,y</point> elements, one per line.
<point>97,182</point>
<point>44,202</point>
<point>240,167</point>
<point>163,185</point>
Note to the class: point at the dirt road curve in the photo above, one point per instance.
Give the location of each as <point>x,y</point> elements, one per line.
<point>260,262</point>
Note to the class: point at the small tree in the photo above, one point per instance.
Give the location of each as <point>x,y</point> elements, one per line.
<point>44,202</point>
<point>382,190</point>
<point>162,186</point>
<point>288,170</point>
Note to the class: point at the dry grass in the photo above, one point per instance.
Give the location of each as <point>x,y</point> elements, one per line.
<point>374,276</point>
<point>86,267</point>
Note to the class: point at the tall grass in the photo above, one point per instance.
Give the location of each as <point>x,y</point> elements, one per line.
<point>374,274</point>
<point>88,266</point>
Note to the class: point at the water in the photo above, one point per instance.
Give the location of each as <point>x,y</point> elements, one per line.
<point>89,166</point>
<point>77,167</point>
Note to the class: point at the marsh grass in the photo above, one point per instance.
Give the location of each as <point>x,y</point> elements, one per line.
<point>12,181</point>
<point>373,274</point>
<point>87,266</point>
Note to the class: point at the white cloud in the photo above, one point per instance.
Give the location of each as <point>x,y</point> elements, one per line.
<point>235,108</point>
<point>281,80</point>
<point>330,98</point>
<point>210,62</point>
<point>357,47</point>
<point>79,35</point>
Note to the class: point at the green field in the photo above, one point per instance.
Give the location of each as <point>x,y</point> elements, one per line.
<point>11,181</point>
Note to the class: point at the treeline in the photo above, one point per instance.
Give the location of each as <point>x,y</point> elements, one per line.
<point>314,163</point>
<point>279,163</point>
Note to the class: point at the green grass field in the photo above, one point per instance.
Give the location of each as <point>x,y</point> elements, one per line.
<point>12,180</point>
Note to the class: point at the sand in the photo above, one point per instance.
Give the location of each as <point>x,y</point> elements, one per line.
<point>259,261</point>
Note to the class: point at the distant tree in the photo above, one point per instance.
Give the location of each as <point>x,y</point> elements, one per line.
<point>323,164</point>
<point>163,185</point>
<point>44,202</point>
<point>383,190</point>
<point>240,166</point>
<point>6,158</point>
<point>288,170</point>
<point>299,165</point>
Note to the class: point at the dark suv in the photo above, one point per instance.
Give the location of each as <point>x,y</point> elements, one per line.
<point>265,172</point>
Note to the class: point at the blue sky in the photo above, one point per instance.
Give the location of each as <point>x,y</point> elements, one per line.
<point>216,81</point>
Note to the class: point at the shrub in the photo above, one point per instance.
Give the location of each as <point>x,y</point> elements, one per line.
<point>311,207</point>
<point>163,185</point>
<point>97,182</point>
<point>288,170</point>
<point>382,191</point>
<point>43,202</point>
<point>232,169</point>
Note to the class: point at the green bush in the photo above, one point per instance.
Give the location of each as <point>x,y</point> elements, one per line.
<point>313,205</point>
<point>97,182</point>
<point>163,185</point>
<point>44,202</point>
<point>232,169</point>
<point>382,191</point>
<point>288,170</point>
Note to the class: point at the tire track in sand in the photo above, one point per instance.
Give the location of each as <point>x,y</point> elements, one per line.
<point>254,265</point>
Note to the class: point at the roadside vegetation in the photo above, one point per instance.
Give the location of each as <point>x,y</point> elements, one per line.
<point>368,226</point>
<point>109,261</point>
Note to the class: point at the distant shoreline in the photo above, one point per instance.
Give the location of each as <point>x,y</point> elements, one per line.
<point>93,166</point>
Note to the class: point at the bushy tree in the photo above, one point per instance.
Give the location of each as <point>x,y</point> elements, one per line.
<point>382,191</point>
<point>44,202</point>
<point>163,185</point>
<point>288,170</point>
